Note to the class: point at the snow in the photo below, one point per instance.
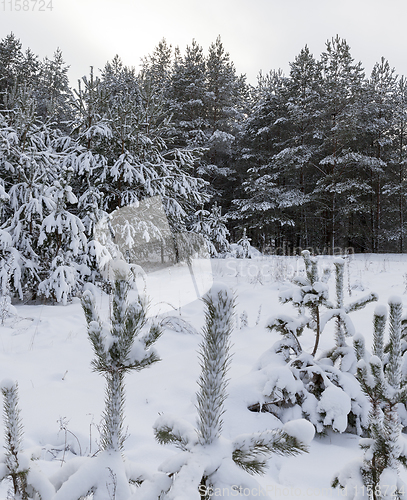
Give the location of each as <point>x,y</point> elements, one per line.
<point>300,429</point>
<point>7,384</point>
<point>394,300</point>
<point>381,310</point>
<point>46,349</point>
<point>179,428</point>
<point>336,405</point>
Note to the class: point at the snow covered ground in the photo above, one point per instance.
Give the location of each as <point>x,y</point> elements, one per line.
<point>47,351</point>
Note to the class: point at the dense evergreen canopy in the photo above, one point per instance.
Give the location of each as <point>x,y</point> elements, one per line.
<point>312,159</point>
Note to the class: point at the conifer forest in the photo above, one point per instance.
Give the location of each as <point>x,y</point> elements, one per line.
<point>202,281</point>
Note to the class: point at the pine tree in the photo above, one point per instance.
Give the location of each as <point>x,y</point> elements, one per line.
<point>339,165</point>
<point>157,68</point>
<point>187,97</point>
<point>343,325</point>
<point>381,380</point>
<point>300,149</point>
<point>14,433</point>
<point>313,295</point>
<point>310,382</point>
<point>394,185</point>
<point>64,244</point>
<point>28,482</point>
<point>203,456</point>
<point>212,226</point>
<point>117,359</point>
<point>225,105</point>
<point>11,57</point>
<point>223,90</point>
<point>261,205</point>
<point>129,157</point>
<point>28,167</point>
<point>119,348</point>
<point>54,95</point>
<point>378,113</point>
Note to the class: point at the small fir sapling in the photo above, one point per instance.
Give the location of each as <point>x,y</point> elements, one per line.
<point>119,348</point>
<point>384,446</point>
<point>27,480</point>
<point>208,461</point>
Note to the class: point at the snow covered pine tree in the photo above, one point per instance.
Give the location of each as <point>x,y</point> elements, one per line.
<point>118,349</point>
<point>298,384</point>
<point>209,463</point>
<point>27,480</point>
<point>377,473</point>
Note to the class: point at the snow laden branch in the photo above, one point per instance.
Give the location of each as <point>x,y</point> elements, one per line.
<point>207,460</point>
<point>310,294</point>
<point>251,453</point>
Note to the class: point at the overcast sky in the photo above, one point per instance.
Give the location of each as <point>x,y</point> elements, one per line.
<point>258,34</point>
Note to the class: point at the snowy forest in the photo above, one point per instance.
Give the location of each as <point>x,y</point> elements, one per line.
<point>314,159</point>
<point>286,376</point>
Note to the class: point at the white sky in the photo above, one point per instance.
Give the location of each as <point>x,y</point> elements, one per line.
<point>258,34</point>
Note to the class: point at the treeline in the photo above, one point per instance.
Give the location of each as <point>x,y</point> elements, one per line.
<point>312,159</point>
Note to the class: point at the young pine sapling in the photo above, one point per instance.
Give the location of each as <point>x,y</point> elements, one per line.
<point>27,480</point>
<point>380,377</point>
<point>299,385</point>
<point>119,348</point>
<point>209,462</point>
<point>311,293</point>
